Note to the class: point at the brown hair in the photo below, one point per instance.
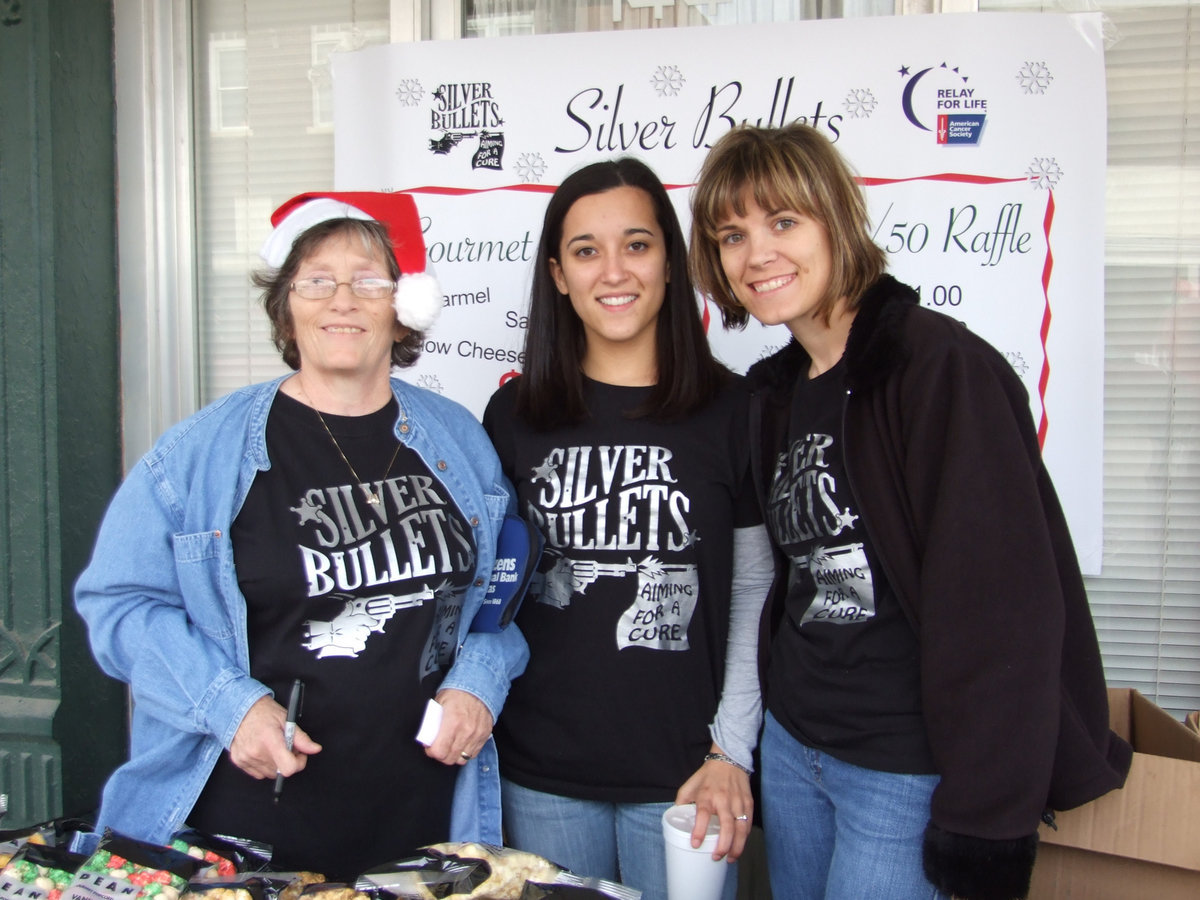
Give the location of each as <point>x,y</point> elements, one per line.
<point>277,285</point>
<point>793,167</point>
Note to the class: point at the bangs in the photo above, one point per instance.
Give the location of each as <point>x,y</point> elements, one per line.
<point>757,173</point>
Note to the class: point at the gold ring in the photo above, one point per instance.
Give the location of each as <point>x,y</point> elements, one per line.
<point>465,755</point>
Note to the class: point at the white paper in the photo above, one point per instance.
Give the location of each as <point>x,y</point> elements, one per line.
<point>430,724</point>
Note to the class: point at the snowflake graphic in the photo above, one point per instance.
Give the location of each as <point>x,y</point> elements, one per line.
<point>667,81</point>
<point>1017,361</point>
<point>1034,78</point>
<point>432,383</point>
<point>859,103</point>
<point>410,92</point>
<point>1044,173</point>
<point>530,167</point>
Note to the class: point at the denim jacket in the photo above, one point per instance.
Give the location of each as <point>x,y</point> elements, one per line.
<point>164,613</point>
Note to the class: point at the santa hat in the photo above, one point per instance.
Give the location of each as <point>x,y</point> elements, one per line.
<point>418,298</point>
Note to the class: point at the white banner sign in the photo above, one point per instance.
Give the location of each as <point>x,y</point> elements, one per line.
<point>979,138</point>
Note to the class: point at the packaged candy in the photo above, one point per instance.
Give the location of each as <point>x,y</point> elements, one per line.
<point>12,841</point>
<point>54,833</point>
<point>287,885</point>
<point>37,871</point>
<point>218,859</point>
<point>332,890</point>
<point>244,854</point>
<point>299,883</point>
<point>249,889</point>
<point>473,871</point>
<point>122,868</point>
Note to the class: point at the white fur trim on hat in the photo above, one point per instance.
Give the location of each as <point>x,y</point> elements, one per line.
<point>320,209</point>
<point>418,301</point>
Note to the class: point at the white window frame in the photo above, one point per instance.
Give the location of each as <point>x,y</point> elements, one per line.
<point>217,90</point>
<point>156,247</point>
<point>321,77</point>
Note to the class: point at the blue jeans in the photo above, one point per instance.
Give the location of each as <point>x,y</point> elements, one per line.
<point>836,831</point>
<point>621,842</point>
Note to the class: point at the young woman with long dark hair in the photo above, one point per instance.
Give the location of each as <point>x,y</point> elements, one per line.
<point>626,442</point>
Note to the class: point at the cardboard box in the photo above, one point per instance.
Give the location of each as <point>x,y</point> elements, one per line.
<point>1140,841</point>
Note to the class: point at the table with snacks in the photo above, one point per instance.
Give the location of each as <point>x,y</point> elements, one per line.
<point>65,860</point>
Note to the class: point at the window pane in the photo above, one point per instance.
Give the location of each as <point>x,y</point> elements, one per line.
<point>1146,602</point>
<point>232,68</point>
<point>284,147</point>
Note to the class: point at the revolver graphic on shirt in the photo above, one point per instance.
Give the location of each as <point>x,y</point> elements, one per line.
<point>568,577</point>
<point>828,556</point>
<point>346,633</point>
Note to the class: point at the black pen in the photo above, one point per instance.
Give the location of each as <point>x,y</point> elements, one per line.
<point>289,729</point>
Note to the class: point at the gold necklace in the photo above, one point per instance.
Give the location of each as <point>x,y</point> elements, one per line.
<point>372,496</point>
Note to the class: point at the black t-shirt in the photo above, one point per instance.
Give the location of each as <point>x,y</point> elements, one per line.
<point>362,602</point>
<point>845,673</point>
<point>628,620</point>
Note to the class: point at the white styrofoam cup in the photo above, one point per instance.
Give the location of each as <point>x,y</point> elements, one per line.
<point>692,873</point>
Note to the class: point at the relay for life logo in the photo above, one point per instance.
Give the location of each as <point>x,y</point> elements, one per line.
<point>941,99</point>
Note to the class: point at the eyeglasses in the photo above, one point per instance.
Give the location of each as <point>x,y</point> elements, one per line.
<point>362,288</point>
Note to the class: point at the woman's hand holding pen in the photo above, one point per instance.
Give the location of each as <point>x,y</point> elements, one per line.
<point>722,790</point>
<point>258,747</point>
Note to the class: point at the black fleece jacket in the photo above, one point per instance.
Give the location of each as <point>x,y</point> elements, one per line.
<point>944,460</point>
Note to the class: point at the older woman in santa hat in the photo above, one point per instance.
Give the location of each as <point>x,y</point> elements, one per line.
<point>333,529</point>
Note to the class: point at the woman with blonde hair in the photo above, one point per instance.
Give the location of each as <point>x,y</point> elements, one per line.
<point>930,670</point>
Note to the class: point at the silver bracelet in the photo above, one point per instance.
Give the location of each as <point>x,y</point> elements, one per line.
<point>721,757</point>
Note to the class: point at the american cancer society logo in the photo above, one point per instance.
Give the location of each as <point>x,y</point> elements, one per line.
<point>940,99</point>
<point>467,111</point>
